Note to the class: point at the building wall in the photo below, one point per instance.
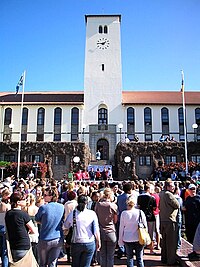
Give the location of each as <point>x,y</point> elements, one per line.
<point>48,151</point>
<point>66,122</point>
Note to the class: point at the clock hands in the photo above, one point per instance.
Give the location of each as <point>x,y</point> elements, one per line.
<point>103,43</point>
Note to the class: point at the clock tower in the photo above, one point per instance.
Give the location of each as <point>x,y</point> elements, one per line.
<point>103,72</point>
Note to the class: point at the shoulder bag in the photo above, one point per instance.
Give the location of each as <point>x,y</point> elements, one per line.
<point>144,238</point>
<point>69,238</point>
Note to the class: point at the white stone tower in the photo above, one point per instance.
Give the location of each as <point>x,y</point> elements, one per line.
<point>103,73</point>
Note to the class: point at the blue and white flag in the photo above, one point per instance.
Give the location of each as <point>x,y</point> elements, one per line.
<point>20,83</point>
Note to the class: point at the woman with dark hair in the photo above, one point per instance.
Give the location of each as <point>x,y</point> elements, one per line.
<point>18,224</point>
<point>50,216</point>
<point>85,224</point>
<point>107,215</point>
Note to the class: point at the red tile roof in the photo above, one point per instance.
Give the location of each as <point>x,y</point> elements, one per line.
<point>159,97</point>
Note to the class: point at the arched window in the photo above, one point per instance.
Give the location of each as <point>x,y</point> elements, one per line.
<point>180,116</point>
<point>197,119</point>
<point>25,116</point>
<point>57,124</point>
<point>181,124</point>
<point>40,117</point>
<point>40,124</point>
<point>8,115</point>
<point>165,121</point>
<point>24,124</point>
<point>130,123</point>
<point>74,124</point>
<point>165,116</point>
<point>197,116</point>
<point>100,29</point>
<point>102,116</point>
<point>147,116</point>
<point>57,116</point>
<point>105,29</point>
<point>148,124</point>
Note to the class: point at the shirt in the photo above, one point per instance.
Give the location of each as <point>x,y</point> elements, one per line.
<point>86,225</point>
<point>16,221</point>
<point>51,217</point>
<point>128,229</point>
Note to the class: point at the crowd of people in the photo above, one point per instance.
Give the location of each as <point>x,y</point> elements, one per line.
<point>36,216</point>
<point>92,174</point>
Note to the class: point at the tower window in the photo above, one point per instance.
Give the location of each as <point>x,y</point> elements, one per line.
<point>105,29</point>
<point>100,29</point>
<point>102,67</point>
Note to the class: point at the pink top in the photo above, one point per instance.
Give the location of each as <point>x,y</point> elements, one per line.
<point>157,198</point>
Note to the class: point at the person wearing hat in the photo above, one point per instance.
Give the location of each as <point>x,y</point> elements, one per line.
<point>192,212</point>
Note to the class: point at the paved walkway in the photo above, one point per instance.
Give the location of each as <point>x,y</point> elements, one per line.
<point>149,261</point>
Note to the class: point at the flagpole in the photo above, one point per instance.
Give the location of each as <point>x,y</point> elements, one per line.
<point>184,122</point>
<point>20,125</point>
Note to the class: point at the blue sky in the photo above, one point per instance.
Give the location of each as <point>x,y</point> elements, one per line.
<point>47,39</point>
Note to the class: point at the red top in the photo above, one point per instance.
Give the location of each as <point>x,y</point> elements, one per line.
<point>157,198</point>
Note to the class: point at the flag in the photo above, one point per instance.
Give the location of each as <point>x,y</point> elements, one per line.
<point>20,83</point>
<point>182,83</point>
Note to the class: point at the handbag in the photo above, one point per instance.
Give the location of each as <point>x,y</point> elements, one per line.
<point>69,238</point>
<point>27,260</point>
<point>144,237</point>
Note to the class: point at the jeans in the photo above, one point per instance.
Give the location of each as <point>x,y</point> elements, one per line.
<point>107,252</point>
<point>130,246</point>
<point>18,254</point>
<point>82,254</point>
<point>3,246</point>
<point>49,251</point>
<point>179,235</point>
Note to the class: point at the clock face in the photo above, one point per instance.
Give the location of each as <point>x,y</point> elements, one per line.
<point>103,43</point>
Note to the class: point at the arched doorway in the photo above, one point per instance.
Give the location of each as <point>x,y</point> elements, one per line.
<point>103,147</point>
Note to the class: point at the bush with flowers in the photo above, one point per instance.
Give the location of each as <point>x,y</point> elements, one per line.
<point>25,169</point>
<point>178,167</point>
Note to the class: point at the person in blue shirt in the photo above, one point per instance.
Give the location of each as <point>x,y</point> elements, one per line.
<point>50,217</point>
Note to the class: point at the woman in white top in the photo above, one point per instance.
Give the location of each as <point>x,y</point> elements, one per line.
<point>86,233</point>
<point>128,233</point>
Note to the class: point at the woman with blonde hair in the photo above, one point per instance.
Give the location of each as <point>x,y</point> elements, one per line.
<point>107,215</point>
<point>128,233</point>
<point>32,210</point>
